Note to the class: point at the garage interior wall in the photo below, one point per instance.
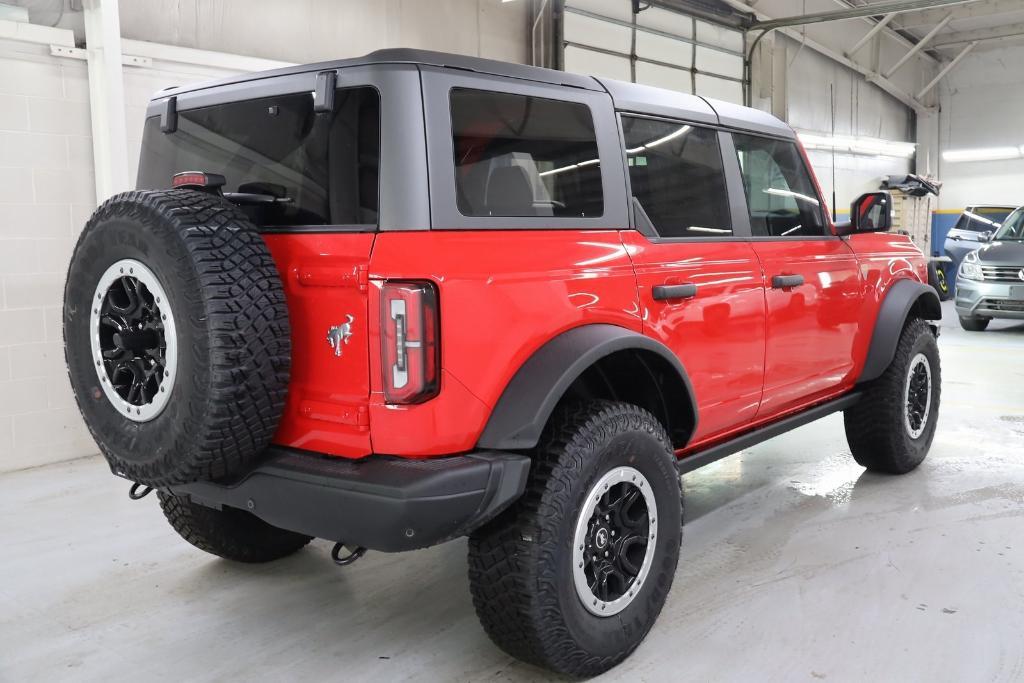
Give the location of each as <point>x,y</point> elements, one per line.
<point>47,182</point>
<point>981,107</point>
<point>861,110</point>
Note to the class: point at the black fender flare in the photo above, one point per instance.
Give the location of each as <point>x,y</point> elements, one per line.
<point>892,315</point>
<point>533,392</point>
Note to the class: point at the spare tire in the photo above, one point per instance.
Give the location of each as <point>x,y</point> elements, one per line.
<point>176,336</point>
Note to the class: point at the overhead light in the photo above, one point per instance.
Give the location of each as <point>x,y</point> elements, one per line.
<point>857,145</point>
<point>982,154</point>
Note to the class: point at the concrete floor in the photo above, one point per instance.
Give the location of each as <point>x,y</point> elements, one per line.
<point>796,565</point>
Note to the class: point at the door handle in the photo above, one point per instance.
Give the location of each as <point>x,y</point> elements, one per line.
<point>786,281</point>
<point>662,292</point>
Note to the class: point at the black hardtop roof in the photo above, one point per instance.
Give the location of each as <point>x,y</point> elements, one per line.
<point>626,96</point>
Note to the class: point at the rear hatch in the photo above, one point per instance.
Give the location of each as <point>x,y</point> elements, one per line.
<point>309,181</point>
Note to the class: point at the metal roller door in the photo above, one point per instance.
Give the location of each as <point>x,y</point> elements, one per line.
<point>655,47</point>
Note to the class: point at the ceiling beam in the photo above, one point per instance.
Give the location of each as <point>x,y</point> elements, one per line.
<point>945,70</point>
<point>889,30</point>
<point>926,18</point>
<point>917,48</point>
<point>981,34</point>
<point>882,23</point>
<point>868,74</point>
<point>875,9</point>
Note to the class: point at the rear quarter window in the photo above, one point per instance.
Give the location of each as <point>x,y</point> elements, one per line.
<point>518,155</point>
<point>322,168</point>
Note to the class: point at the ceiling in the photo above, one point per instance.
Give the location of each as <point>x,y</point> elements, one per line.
<point>992,23</point>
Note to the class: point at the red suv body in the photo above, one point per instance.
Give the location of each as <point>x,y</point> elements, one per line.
<point>469,248</point>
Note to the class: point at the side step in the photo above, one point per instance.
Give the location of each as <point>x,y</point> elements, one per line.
<point>696,460</point>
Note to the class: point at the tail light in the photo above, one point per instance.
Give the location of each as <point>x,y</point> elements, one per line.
<point>409,341</point>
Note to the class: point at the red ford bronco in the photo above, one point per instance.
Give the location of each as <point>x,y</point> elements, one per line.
<point>395,300</point>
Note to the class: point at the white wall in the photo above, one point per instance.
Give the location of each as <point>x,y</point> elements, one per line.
<point>982,105</point>
<point>46,193</point>
<point>861,109</point>
<point>317,30</point>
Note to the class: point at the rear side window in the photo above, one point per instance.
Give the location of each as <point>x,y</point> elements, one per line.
<point>517,155</point>
<point>322,168</point>
<point>780,195</point>
<point>675,171</point>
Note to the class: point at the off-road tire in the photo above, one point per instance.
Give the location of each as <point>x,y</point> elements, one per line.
<point>972,324</point>
<point>875,427</point>
<point>520,564</point>
<point>233,337</point>
<point>229,533</point>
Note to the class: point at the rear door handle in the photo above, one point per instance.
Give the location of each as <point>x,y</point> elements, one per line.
<point>663,292</point>
<point>786,281</point>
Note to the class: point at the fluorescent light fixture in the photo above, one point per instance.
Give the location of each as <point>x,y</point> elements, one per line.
<point>857,145</point>
<point>982,154</point>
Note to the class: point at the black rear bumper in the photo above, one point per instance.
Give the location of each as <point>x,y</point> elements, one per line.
<point>379,502</point>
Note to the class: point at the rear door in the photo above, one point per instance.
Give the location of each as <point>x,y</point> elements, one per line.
<point>812,278</point>
<point>312,182</point>
<point>700,286</point>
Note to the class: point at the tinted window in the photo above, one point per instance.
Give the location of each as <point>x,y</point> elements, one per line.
<point>323,167</point>
<point>524,156</point>
<point>675,171</point>
<point>982,218</point>
<point>780,195</point>
<point>1012,227</point>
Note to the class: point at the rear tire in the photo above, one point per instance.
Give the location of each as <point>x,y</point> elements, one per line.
<point>974,324</point>
<point>528,569</point>
<point>229,533</point>
<point>892,426</point>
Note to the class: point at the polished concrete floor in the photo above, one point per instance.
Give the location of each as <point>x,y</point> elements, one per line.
<point>796,565</point>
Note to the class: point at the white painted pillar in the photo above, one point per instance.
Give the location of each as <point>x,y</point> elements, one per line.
<point>106,97</point>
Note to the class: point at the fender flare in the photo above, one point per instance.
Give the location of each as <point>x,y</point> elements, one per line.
<point>533,392</point>
<point>892,315</point>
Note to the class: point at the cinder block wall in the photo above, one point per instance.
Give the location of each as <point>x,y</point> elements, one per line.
<point>46,194</point>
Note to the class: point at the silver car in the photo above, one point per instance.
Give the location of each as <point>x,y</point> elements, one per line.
<point>990,281</point>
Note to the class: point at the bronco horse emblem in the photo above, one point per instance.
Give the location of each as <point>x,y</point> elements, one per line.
<point>339,334</point>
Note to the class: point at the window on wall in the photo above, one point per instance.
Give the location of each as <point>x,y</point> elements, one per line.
<point>675,171</point>
<point>322,167</point>
<point>517,155</point>
<point>781,197</point>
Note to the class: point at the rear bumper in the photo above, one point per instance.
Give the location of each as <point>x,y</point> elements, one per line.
<point>379,502</point>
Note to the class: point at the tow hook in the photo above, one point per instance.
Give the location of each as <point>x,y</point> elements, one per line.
<point>139,491</point>
<point>352,556</point>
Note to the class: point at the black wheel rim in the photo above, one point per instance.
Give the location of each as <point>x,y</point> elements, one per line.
<point>918,395</point>
<point>132,341</point>
<point>614,543</point>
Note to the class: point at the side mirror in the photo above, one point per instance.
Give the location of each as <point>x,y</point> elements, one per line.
<point>985,236</point>
<point>871,212</point>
